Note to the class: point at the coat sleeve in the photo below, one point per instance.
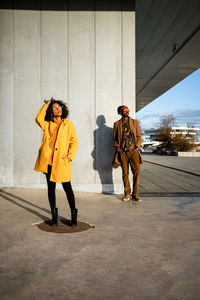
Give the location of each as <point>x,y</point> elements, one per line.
<point>73,143</point>
<point>115,132</point>
<point>138,134</point>
<point>40,118</point>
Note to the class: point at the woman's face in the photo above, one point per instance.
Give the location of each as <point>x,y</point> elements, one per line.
<point>57,110</point>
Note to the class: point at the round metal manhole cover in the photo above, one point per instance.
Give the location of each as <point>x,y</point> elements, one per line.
<point>63,226</point>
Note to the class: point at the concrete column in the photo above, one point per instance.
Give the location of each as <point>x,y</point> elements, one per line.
<point>54,62</point>
<point>54,59</point>
<point>27,81</point>
<point>6,96</point>
<point>108,92</point>
<point>128,61</point>
<point>82,93</point>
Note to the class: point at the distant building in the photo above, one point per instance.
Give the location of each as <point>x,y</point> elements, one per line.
<point>150,136</point>
<point>192,133</point>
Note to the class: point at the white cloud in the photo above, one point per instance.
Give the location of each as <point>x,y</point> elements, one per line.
<point>184,116</point>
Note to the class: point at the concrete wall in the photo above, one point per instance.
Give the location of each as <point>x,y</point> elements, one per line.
<point>85,58</point>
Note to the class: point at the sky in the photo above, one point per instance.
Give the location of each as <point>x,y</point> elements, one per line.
<point>183,101</point>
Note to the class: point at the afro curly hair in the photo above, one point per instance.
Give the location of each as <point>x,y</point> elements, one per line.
<point>49,113</point>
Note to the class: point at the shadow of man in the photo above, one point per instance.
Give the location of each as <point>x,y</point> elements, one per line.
<point>103,154</point>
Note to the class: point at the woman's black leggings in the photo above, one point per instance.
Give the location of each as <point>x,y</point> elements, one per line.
<point>52,191</point>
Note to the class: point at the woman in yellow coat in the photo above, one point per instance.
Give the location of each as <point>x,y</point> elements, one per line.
<point>58,149</point>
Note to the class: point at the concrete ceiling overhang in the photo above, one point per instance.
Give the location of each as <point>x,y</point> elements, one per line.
<point>71,5</point>
<point>167,45</point>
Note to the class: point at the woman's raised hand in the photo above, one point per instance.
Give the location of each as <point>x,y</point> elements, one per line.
<point>47,102</point>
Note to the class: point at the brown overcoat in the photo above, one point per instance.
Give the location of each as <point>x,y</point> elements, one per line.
<point>117,138</point>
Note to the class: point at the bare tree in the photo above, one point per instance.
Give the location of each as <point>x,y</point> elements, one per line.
<point>164,131</point>
<point>170,141</point>
<point>182,142</point>
<point>167,121</point>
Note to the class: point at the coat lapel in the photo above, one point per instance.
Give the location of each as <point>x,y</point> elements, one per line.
<point>120,130</point>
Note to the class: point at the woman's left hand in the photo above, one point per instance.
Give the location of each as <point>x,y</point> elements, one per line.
<point>66,157</point>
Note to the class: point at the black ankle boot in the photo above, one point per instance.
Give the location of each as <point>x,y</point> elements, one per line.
<point>74,214</point>
<point>54,216</point>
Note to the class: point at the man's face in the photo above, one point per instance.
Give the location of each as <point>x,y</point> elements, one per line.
<point>125,112</point>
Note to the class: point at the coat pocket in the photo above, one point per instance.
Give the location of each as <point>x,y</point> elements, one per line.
<point>66,162</point>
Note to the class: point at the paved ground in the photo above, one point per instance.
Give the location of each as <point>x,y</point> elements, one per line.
<point>137,251</point>
<point>170,175</point>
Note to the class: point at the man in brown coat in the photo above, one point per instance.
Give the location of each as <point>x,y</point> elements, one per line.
<point>127,139</point>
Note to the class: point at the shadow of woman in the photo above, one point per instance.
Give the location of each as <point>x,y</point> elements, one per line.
<point>13,199</point>
<point>103,154</point>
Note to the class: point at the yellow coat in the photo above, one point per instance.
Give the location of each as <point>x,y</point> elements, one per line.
<point>66,144</point>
